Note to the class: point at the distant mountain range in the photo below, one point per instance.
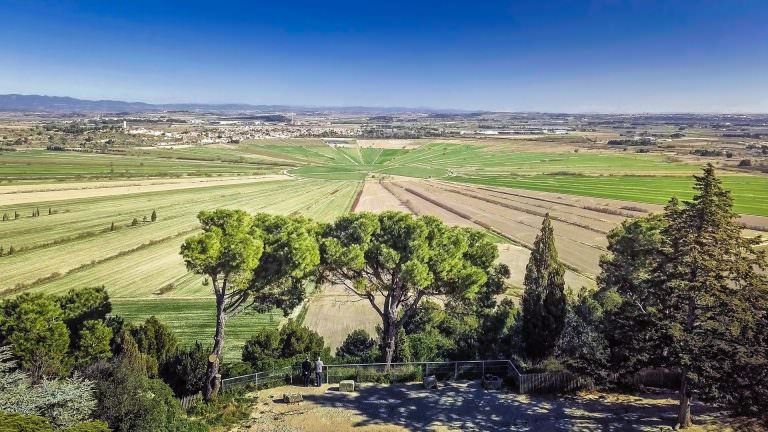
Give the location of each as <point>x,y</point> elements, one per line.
<point>60,104</point>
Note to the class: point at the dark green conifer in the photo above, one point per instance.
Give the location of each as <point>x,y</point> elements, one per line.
<point>544,302</point>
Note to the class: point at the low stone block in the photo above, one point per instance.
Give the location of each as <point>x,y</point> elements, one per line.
<point>492,382</point>
<point>347,386</point>
<point>430,382</point>
<point>292,397</point>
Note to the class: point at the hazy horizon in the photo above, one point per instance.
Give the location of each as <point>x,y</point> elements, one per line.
<point>566,56</point>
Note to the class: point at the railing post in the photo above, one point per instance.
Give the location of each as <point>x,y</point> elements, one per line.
<point>483,370</point>
<point>327,375</point>
<point>455,371</point>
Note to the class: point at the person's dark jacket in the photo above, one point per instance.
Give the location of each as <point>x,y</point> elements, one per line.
<point>306,367</point>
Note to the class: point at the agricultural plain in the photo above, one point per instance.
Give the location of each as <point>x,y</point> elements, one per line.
<point>75,219</point>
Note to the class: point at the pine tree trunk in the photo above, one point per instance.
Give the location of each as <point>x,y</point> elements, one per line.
<point>684,414</point>
<point>212,377</point>
<point>390,334</point>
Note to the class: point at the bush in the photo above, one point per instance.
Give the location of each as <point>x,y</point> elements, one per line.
<point>230,370</point>
<point>92,426</point>
<point>155,338</point>
<point>270,349</point>
<point>131,402</point>
<point>229,408</point>
<point>185,371</point>
<point>358,347</point>
<point>23,423</point>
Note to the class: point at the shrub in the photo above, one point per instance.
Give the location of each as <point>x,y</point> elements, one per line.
<point>185,371</point>
<point>155,338</point>
<point>129,401</point>
<point>358,347</point>
<point>23,423</point>
<point>236,369</point>
<point>91,426</point>
<point>270,348</point>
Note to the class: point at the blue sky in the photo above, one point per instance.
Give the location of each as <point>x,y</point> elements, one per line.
<point>574,56</point>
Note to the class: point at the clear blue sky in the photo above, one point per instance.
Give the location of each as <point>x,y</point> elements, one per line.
<point>600,55</point>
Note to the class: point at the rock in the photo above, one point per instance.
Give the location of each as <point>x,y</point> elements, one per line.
<point>347,386</point>
<point>430,382</point>
<point>292,398</point>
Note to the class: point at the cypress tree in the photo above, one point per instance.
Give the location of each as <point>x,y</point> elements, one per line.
<point>134,222</point>
<point>544,303</point>
<point>154,216</point>
<point>112,227</point>
<point>5,217</point>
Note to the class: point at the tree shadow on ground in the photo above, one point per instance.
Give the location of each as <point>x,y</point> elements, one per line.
<point>467,406</point>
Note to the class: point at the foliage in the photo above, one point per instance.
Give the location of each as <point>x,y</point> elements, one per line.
<point>84,304</point>
<point>155,339</point>
<point>94,342</point>
<point>702,304</point>
<point>91,426</point>
<point>63,402</point>
<point>185,371</point>
<point>228,409</point>
<point>128,400</point>
<point>271,348</point>
<point>544,303</point>
<point>33,324</point>
<point>404,259</point>
<point>289,260</point>
<point>358,347</point>
<point>13,422</point>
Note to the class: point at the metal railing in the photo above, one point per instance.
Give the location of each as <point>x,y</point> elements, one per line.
<point>552,382</point>
<point>380,373</point>
<point>272,378</point>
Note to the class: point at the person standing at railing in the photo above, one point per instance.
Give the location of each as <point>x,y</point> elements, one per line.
<point>306,371</point>
<point>319,372</point>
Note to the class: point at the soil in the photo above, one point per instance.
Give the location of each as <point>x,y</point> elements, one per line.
<point>465,406</point>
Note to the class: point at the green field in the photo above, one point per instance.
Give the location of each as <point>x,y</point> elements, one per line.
<point>647,178</point>
<point>41,165</point>
<point>750,192</point>
<point>194,319</point>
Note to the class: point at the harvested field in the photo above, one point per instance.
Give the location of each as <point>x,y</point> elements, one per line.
<point>35,193</point>
<point>139,264</point>
<point>334,313</point>
<point>516,257</point>
<point>465,406</point>
<point>579,248</point>
<point>376,198</point>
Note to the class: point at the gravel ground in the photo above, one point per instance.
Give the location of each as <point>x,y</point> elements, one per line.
<point>465,406</point>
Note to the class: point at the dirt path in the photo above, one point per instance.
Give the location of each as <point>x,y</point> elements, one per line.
<point>465,406</point>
